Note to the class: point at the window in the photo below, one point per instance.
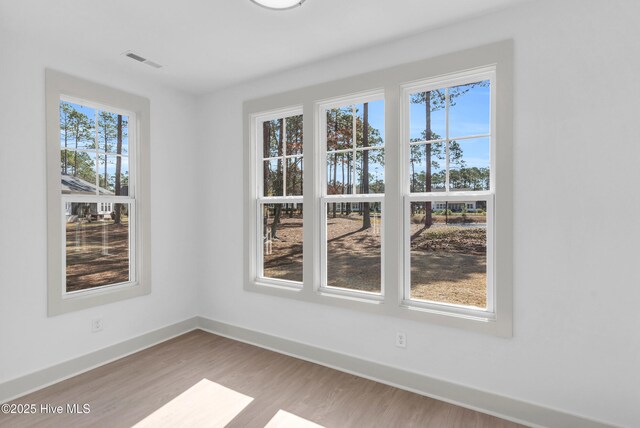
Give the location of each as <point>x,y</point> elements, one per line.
<point>94,168</point>
<point>97,172</point>
<point>279,204</point>
<point>448,247</point>
<point>407,192</point>
<point>353,194</point>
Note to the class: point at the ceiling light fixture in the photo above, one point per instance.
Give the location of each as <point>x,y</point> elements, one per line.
<point>279,4</point>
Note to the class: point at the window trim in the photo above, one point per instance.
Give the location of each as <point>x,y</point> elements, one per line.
<point>60,86</point>
<point>500,55</point>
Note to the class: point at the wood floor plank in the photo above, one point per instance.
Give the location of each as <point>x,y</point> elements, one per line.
<point>126,391</point>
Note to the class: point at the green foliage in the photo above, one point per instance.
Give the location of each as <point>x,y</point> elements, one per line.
<point>340,129</point>
<point>473,178</point>
<point>275,138</point>
<point>76,131</point>
<point>444,212</point>
<point>340,136</point>
<point>82,165</point>
<point>437,99</point>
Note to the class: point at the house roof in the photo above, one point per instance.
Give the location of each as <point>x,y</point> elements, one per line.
<point>76,185</point>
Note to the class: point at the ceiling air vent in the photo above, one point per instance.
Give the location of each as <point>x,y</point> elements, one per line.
<point>142,60</point>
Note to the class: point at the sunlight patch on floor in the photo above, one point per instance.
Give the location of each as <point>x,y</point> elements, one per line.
<point>284,419</point>
<point>205,404</point>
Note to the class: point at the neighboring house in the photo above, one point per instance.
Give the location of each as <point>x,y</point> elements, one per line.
<point>455,206</point>
<point>471,206</point>
<point>76,186</point>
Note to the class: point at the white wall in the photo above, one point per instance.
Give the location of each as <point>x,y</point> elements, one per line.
<point>577,103</point>
<point>29,340</point>
<point>577,108</point>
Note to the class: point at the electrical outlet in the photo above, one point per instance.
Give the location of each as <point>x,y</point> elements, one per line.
<point>401,340</point>
<point>96,325</point>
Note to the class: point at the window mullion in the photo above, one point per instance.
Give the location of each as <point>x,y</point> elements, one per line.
<point>284,156</point>
<point>354,131</point>
<point>446,116</point>
<point>95,143</point>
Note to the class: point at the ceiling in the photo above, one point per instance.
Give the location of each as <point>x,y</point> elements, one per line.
<point>205,45</point>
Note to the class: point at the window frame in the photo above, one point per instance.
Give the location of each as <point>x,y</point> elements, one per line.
<point>353,197</point>
<point>100,200</point>
<point>446,194</point>
<point>260,199</point>
<point>64,87</point>
<point>391,81</point>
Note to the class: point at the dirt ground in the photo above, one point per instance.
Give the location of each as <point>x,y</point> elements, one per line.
<point>97,254</point>
<point>448,263</point>
<point>284,261</point>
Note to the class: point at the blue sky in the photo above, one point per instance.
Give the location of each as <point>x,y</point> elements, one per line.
<point>469,115</point>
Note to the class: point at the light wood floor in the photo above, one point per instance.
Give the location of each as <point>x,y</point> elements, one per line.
<point>126,391</point>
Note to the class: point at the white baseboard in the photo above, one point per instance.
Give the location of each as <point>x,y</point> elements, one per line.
<point>18,387</point>
<point>483,401</point>
<point>471,398</point>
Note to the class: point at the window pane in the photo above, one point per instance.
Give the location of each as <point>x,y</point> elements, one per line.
<point>449,252</point>
<point>294,135</point>
<point>78,172</point>
<point>427,163</point>
<point>340,128</point>
<point>469,163</point>
<point>294,176</point>
<point>282,238</point>
<point>113,171</point>
<point>77,126</point>
<point>339,173</point>
<point>469,109</point>
<point>272,177</point>
<point>113,134</point>
<point>272,138</point>
<point>354,246</point>
<point>375,121</point>
<point>97,244</point>
<point>420,115</point>
<point>106,132</point>
<point>370,171</point>
<point>124,149</point>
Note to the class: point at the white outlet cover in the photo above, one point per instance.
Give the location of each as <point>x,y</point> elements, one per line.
<point>96,324</point>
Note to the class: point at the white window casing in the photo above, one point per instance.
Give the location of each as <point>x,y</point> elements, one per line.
<point>64,87</point>
<point>496,62</point>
